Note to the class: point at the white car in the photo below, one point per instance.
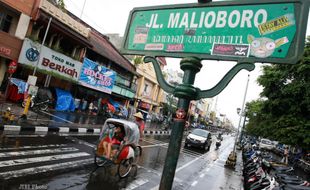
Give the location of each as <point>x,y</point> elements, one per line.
<point>266,144</point>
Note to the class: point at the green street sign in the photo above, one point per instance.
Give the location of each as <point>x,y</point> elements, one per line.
<point>269,31</point>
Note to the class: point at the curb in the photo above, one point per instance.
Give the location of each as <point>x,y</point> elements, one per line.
<point>42,129</point>
<point>80,130</point>
<point>157,132</point>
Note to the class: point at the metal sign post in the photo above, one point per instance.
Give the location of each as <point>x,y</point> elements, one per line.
<point>186,92</point>
<point>267,31</point>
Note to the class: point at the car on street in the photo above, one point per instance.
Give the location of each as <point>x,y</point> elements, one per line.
<point>199,138</point>
<point>266,144</point>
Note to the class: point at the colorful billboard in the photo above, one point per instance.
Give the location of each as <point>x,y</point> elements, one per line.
<point>97,77</point>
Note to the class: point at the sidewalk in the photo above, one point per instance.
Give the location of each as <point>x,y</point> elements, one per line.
<point>56,121</point>
<point>220,177</point>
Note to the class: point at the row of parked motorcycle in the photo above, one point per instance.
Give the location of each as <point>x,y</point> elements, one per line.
<point>262,171</point>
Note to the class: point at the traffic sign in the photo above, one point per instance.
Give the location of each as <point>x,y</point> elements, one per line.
<point>12,67</point>
<point>271,31</point>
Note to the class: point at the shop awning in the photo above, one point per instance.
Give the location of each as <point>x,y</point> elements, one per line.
<point>104,47</point>
<point>57,25</point>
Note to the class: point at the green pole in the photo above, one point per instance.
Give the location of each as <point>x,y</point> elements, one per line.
<point>185,92</point>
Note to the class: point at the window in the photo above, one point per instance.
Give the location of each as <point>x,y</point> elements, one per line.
<point>145,88</point>
<point>5,22</point>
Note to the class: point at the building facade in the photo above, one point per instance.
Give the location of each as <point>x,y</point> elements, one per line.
<point>149,94</point>
<point>63,52</point>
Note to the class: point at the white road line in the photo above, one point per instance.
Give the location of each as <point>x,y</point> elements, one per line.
<point>63,129</point>
<point>96,130</point>
<point>31,136</point>
<point>11,128</point>
<point>153,141</point>
<point>202,175</point>
<point>45,168</point>
<point>191,153</point>
<point>57,117</point>
<point>189,163</point>
<point>136,183</point>
<point>194,183</point>
<point>153,145</point>
<point>82,130</point>
<point>41,129</point>
<point>41,159</point>
<point>36,152</point>
<point>30,147</point>
<point>72,134</point>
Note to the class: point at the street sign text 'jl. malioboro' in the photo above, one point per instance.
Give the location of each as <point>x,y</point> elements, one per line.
<point>260,31</point>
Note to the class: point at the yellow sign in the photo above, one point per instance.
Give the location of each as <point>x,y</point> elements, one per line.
<point>276,24</point>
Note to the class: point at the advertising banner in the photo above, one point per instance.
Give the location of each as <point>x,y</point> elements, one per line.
<point>49,60</point>
<point>245,30</point>
<point>97,77</point>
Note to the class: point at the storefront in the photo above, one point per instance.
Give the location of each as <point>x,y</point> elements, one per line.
<point>10,47</point>
<point>95,83</point>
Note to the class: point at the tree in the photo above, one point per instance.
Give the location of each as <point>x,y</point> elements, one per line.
<point>284,115</point>
<point>59,3</point>
<point>138,60</point>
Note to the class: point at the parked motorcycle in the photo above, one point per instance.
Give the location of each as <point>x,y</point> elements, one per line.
<point>37,103</point>
<point>217,144</point>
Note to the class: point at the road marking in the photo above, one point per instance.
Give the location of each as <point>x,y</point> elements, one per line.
<point>82,130</point>
<point>41,129</point>
<point>180,168</point>
<point>30,147</point>
<point>153,141</point>
<point>188,163</point>
<point>153,145</point>
<point>41,159</point>
<point>96,130</point>
<point>74,134</point>
<point>31,136</point>
<point>190,153</point>
<point>46,168</point>
<point>63,129</point>
<point>36,152</point>
<point>194,183</point>
<point>202,175</point>
<point>81,142</point>
<point>57,117</point>
<point>136,183</point>
<point>11,128</point>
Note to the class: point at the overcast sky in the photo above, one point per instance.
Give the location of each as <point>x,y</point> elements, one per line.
<point>111,17</point>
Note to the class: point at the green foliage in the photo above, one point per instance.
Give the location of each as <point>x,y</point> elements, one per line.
<point>284,113</point>
<point>138,60</point>
<point>59,3</point>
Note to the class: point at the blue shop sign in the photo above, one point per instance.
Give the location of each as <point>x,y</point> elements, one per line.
<point>96,76</point>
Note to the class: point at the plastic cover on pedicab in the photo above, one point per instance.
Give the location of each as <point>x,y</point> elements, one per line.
<point>131,129</point>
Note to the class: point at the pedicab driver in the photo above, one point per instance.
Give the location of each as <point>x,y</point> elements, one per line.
<point>140,123</point>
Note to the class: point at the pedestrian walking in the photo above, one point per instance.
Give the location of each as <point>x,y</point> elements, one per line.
<point>139,120</point>
<point>285,155</point>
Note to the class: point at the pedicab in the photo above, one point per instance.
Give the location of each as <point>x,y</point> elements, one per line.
<point>118,145</point>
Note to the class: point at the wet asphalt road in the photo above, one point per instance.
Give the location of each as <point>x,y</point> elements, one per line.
<point>66,162</point>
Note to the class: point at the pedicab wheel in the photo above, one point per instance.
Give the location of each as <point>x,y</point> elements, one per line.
<point>124,167</point>
<point>138,153</point>
<point>99,162</point>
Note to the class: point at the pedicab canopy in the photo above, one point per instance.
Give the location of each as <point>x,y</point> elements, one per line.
<point>271,31</point>
<point>131,129</point>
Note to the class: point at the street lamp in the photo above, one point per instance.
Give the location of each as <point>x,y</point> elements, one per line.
<point>244,113</point>
<point>238,110</point>
<point>231,160</point>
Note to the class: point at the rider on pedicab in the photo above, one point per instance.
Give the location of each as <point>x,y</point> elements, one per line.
<point>111,141</point>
